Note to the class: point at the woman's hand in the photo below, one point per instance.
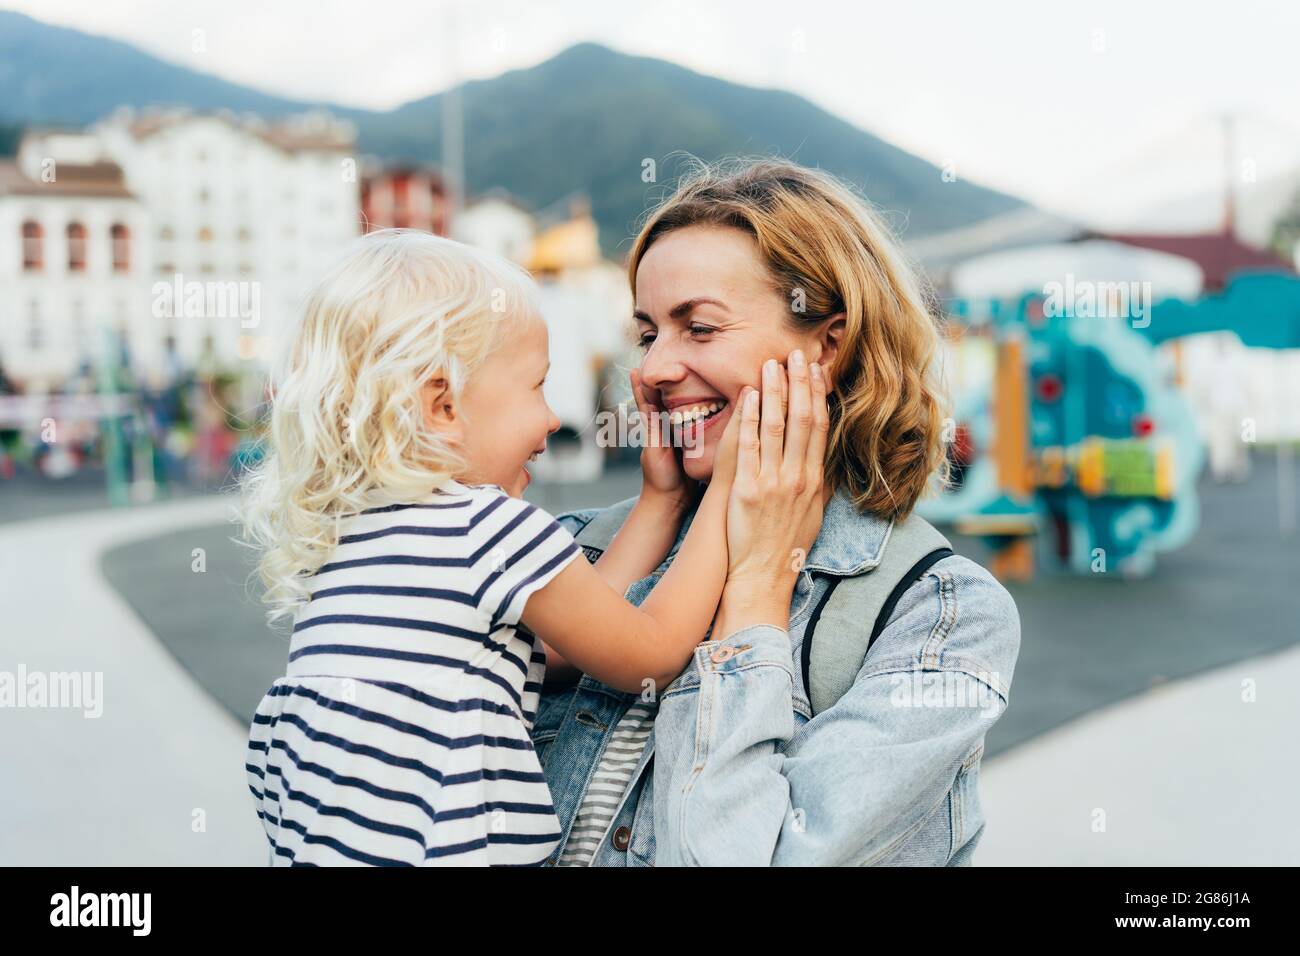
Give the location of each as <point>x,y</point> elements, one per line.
<point>775,509</point>
<point>662,476</point>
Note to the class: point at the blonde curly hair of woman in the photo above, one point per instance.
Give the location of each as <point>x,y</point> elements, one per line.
<point>346,430</point>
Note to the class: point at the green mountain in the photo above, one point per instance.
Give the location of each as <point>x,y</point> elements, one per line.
<point>582,122</point>
<point>589,117</point>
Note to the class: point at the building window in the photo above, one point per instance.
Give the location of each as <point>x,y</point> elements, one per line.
<point>33,246</point>
<point>76,247</point>
<point>166,234</point>
<point>205,234</point>
<point>121,247</point>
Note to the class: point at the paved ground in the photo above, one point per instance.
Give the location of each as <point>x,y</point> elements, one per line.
<point>27,495</point>
<point>1086,642</point>
<point>1187,772</point>
<point>1193,773</point>
<point>157,778</point>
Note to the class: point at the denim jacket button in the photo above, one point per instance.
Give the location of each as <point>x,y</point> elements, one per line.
<point>622,837</point>
<point>722,655</point>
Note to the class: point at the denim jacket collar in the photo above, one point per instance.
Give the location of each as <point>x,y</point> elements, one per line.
<point>850,541</point>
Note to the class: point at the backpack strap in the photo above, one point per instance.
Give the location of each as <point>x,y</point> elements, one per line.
<point>831,665</point>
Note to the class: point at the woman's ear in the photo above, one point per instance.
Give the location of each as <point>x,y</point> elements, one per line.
<point>439,407</point>
<point>829,338</point>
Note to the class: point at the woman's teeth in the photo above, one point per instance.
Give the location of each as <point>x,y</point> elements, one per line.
<point>698,413</point>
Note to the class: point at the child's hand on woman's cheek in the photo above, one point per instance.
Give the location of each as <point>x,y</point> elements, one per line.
<point>661,470</point>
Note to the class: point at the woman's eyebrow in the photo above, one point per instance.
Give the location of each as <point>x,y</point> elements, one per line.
<point>683,309</point>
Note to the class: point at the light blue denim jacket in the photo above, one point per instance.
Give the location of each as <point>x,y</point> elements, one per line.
<point>738,772</point>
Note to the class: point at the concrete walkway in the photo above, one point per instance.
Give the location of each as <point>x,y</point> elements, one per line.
<point>1190,773</point>
<point>157,779</point>
<point>1187,773</point>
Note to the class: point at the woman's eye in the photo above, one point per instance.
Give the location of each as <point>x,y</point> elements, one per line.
<point>647,340</point>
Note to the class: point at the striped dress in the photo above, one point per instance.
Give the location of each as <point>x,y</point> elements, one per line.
<point>400,732</point>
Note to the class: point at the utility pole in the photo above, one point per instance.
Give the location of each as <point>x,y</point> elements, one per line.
<point>453,130</point>
<point>1229,174</point>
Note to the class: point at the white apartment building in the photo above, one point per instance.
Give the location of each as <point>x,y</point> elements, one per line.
<point>236,200</point>
<point>74,263</point>
<point>242,217</point>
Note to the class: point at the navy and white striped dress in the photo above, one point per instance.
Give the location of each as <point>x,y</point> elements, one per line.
<point>400,733</point>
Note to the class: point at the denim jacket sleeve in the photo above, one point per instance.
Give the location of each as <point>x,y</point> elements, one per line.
<point>742,778</point>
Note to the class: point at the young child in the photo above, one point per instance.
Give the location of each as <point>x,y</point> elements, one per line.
<point>389,517</point>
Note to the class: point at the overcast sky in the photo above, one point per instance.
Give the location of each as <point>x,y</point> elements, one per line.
<point>1090,109</point>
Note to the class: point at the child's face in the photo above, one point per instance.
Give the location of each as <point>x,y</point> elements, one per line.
<point>506,418</point>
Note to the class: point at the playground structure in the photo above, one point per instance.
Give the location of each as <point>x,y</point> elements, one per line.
<point>1081,441</point>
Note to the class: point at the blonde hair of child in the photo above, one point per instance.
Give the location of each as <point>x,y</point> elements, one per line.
<point>346,429</point>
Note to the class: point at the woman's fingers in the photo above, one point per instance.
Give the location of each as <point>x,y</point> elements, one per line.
<point>816,457</point>
<point>724,459</point>
<point>773,419</point>
<point>798,422</point>
<point>748,449</point>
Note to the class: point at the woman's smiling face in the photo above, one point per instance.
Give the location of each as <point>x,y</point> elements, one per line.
<point>707,317</point>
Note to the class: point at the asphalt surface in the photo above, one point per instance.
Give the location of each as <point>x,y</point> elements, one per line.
<point>28,496</point>
<point>1087,642</point>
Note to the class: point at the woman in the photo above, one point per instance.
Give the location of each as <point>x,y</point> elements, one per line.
<point>745,265</point>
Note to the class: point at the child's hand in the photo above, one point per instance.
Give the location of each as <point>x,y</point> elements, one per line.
<point>661,470</point>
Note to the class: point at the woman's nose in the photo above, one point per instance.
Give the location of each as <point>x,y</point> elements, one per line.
<point>660,365</point>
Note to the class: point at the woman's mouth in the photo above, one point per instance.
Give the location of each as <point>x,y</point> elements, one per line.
<point>692,420</point>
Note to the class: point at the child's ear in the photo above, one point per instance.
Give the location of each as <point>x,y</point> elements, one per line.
<point>440,412</point>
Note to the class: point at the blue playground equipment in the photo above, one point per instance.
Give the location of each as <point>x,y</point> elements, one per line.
<point>1081,441</point>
